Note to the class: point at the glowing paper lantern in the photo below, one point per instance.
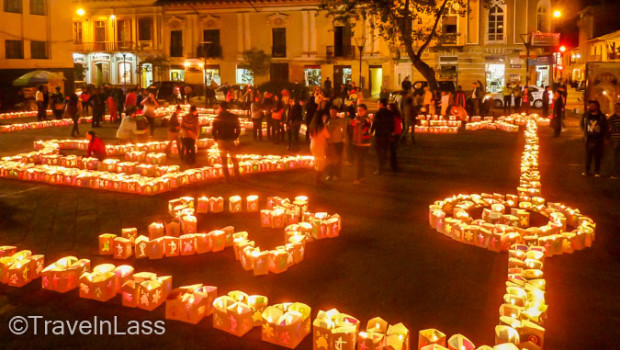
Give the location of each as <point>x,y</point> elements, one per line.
<point>252,203</point>
<point>156,230</point>
<point>63,275</point>
<point>431,336</point>
<point>234,317</point>
<point>122,248</point>
<point>234,204</point>
<point>334,330</point>
<point>460,342</point>
<point>190,304</point>
<point>106,242</point>
<point>286,324</point>
<point>20,268</point>
<point>100,284</point>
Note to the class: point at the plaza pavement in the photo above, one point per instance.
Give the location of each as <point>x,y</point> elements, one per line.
<point>387,262</point>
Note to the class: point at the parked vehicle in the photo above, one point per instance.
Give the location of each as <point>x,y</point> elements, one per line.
<point>537,94</point>
<point>444,85</point>
<point>168,91</point>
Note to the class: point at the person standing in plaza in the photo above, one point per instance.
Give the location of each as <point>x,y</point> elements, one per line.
<point>396,136</point>
<point>256,113</point>
<point>460,99</point>
<point>594,126</point>
<point>97,101</point>
<point>445,103</point>
<point>190,129</point>
<point>507,94</point>
<point>526,100</point>
<point>361,141</point>
<point>614,142</point>
<point>311,109</point>
<point>556,118</point>
<point>174,128</point>
<point>276,116</point>
<point>85,97</point>
<point>112,107</point>
<point>131,99</point>
<point>337,129</point>
<point>226,130</point>
<point>96,147</point>
<point>294,121</point>
<point>383,128</point>
<point>149,105</point>
<point>518,93</point>
<point>72,111</point>
<point>545,102</point>
<point>41,108</point>
<point>327,86</point>
<point>58,103</point>
<point>318,144</point>
<point>406,84</point>
<point>476,98</point>
<point>427,99</point>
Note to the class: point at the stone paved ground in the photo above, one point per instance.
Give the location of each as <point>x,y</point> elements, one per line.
<point>387,262</point>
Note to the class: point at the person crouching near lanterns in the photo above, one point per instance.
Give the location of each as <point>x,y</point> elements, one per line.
<point>190,128</point>
<point>174,127</point>
<point>96,147</point>
<point>226,130</point>
<point>318,143</point>
<point>128,129</point>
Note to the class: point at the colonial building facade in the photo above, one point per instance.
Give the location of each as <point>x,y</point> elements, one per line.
<point>34,35</point>
<point>201,42</point>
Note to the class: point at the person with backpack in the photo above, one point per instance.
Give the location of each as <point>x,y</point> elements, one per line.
<point>190,129</point>
<point>396,135</point>
<point>594,125</point>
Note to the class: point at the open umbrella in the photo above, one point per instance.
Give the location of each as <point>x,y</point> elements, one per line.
<point>37,77</point>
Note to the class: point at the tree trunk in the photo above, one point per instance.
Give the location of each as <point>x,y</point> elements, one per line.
<point>427,72</point>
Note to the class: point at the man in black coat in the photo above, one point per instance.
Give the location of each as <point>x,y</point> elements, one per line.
<point>226,130</point>
<point>594,126</point>
<point>383,127</point>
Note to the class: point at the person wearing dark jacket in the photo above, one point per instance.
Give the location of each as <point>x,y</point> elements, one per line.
<point>360,138</point>
<point>545,102</point>
<point>337,128</point>
<point>97,101</point>
<point>226,130</point>
<point>294,121</point>
<point>383,127</point>
<point>311,109</point>
<point>72,112</point>
<point>594,125</point>
<point>558,110</point>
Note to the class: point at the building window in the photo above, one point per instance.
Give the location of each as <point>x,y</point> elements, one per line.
<point>124,33</point>
<point>279,42</point>
<point>77,32</point>
<point>496,23</point>
<point>38,49</point>
<point>541,19</point>
<point>244,76</point>
<point>14,6</point>
<point>211,43</point>
<point>37,7</point>
<point>449,26</point>
<point>342,42</point>
<point>145,28</point>
<point>176,43</point>
<point>14,48</point>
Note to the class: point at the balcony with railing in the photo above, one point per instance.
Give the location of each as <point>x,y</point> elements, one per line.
<point>340,51</point>
<point>105,46</point>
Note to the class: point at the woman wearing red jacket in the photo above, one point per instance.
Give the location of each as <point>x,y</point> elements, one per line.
<point>96,147</point>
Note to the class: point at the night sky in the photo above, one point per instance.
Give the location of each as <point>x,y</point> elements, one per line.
<point>567,25</point>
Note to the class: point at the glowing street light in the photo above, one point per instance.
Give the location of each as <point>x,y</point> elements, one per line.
<point>562,48</point>
<point>80,12</point>
<point>557,14</point>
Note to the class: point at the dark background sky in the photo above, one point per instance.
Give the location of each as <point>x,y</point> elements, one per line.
<point>608,20</point>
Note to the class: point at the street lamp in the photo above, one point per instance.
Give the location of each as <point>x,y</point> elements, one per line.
<point>527,41</point>
<point>124,54</point>
<point>557,14</point>
<point>359,43</point>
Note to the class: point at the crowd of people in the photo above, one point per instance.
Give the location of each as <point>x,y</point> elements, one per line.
<point>335,121</point>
